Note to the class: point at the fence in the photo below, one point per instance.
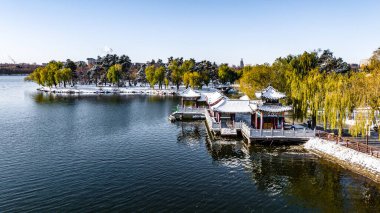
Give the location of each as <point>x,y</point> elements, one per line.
<point>358,146</point>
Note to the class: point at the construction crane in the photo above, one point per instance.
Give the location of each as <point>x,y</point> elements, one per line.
<point>14,62</point>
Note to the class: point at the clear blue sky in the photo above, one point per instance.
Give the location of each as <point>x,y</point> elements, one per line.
<point>218,30</point>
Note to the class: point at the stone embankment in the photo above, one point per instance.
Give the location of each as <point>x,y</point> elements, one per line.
<point>359,162</point>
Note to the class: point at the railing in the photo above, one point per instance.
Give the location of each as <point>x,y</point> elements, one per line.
<point>280,133</point>
<point>238,125</point>
<point>355,145</point>
<point>212,124</point>
<point>246,130</point>
<point>191,110</point>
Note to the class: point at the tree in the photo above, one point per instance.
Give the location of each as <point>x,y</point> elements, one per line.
<point>73,67</point>
<point>126,64</point>
<point>255,78</point>
<point>35,76</point>
<point>141,74</point>
<point>186,79</point>
<point>328,63</point>
<point>159,75</point>
<point>114,74</point>
<point>226,74</point>
<point>176,71</point>
<point>195,80</point>
<point>150,75</point>
<point>166,82</point>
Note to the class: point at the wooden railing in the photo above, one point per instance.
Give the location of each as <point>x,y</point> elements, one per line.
<point>352,144</point>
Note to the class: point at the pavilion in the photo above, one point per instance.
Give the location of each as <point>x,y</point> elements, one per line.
<point>265,113</point>
<point>190,95</point>
<point>270,113</point>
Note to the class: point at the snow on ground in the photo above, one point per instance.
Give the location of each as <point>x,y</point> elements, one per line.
<point>92,89</point>
<point>343,153</point>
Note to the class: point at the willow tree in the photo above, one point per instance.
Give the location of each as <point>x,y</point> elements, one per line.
<point>313,95</point>
<point>35,76</point>
<point>366,96</point>
<point>337,101</point>
<point>114,74</point>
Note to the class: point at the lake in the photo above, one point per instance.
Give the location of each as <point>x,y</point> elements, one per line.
<point>120,153</point>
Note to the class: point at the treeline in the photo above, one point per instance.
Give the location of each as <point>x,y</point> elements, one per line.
<point>13,69</point>
<point>321,86</point>
<point>120,71</point>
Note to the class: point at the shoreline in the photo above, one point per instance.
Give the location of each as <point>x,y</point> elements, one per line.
<point>94,90</point>
<point>357,162</point>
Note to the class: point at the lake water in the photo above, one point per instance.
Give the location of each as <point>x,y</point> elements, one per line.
<point>120,153</point>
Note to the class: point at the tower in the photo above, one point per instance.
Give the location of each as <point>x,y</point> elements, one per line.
<point>241,63</point>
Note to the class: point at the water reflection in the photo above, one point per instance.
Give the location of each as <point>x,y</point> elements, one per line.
<point>191,133</point>
<point>49,98</point>
<point>280,172</point>
<point>300,177</point>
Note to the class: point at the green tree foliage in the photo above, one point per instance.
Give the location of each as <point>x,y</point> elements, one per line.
<point>256,78</point>
<point>226,74</point>
<point>166,82</point>
<point>186,79</point>
<point>150,75</point>
<point>114,74</point>
<point>318,85</point>
<point>176,71</point>
<point>73,67</point>
<point>45,76</point>
<point>159,75</point>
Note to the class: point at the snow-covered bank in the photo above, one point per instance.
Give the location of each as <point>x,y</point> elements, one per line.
<point>88,90</point>
<point>359,162</point>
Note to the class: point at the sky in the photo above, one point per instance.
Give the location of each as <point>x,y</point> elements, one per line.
<point>224,31</point>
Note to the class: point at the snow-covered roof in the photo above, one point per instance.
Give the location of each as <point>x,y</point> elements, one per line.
<point>217,104</point>
<point>213,97</point>
<point>190,93</point>
<point>245,97</point>
<point>273,108</point>
<point>270,93</point>
<point>203,98</point>
<point>233,106</point>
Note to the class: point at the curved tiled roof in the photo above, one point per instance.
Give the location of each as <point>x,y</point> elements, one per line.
<point>190,93</point>
<point>233,106</point>
<point>274,108</point>
<point>270,93</point>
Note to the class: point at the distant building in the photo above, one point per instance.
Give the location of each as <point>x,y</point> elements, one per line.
<point>91,61</point>
<point>241,63</point>
<point>354,67</point>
